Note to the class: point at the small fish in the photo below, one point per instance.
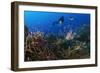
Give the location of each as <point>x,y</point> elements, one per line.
<point>71,18</point>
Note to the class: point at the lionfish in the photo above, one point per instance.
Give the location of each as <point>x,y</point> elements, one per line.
<point>69,35</point>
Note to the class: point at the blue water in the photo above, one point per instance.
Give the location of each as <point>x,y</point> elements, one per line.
<point>49,22</point>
